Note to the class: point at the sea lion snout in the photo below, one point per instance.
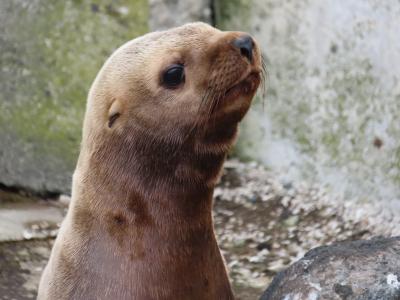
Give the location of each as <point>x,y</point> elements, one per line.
<point>245,44</point>
<point>236,72</point>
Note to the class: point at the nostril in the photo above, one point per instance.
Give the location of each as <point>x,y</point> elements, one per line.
<point>246,53</point>
<point>245,44</point>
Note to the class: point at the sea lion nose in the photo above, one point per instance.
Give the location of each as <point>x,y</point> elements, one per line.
<point>245,44</point>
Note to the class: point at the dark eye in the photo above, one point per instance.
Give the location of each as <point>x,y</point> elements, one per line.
<point>174,76</point>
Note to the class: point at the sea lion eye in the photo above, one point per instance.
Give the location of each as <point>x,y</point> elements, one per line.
<point>174,76</point>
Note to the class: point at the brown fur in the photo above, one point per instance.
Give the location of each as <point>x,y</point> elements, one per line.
<point>139,225</point>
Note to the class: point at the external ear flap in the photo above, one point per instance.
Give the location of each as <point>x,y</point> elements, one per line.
<point>114,112</point>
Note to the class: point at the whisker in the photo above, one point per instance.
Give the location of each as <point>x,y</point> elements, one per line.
<point>215,104</point>
<point>193,129</point>
<point>203,110</point>
<point>264,81</point>
<point>211,107</point>
<point>204,98</point>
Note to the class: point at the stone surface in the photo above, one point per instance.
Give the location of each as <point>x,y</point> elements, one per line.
<point>333,93</point>
<point>50,52</point>
<point>25,217</point>
<point>29,220</point>
<point>21,265</point>
<point>165,14</point>
<point>362,270</point>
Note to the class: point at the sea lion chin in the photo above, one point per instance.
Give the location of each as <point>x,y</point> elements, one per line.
<point>161,116</point>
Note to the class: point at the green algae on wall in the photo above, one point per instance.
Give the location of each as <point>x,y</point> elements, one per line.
<point>50,52</point>
<point>332,105</point>
<point>232,14</point>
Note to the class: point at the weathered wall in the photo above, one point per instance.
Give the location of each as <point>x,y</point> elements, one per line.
<point>165,14</point>
<point>332,108</point>
<point>50,52</point>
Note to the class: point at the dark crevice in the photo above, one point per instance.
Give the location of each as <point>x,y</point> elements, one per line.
<point>29,193</point>
<point>213,9</point>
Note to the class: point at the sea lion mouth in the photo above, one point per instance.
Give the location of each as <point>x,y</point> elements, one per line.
<point>244,87</point>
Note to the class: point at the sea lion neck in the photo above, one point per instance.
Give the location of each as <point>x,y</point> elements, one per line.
<point>168,169</point>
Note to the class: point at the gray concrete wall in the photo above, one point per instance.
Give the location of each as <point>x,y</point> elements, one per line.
<point>165,14</point>
<point>331,114</point>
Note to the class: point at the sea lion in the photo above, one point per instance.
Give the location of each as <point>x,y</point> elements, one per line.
<point>161,115</point>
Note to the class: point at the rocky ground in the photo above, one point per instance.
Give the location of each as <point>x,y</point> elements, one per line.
<point>262,224</point>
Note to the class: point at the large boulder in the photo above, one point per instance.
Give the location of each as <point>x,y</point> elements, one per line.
<point>360,270</point>
<point>50,52</point>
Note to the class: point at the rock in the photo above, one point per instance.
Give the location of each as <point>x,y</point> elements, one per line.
<point>50,53</point>
<point>24,221</point>
<point>166,14</point>
<point>362,270</point>
<point>21,266</point>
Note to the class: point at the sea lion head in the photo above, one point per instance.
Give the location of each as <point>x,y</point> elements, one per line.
<point>191,82</point>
